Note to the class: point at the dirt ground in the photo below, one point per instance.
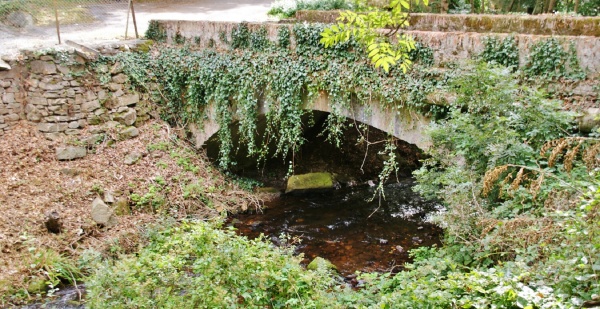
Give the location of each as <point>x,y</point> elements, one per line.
<point>110,22</point>
<point>34,184</point>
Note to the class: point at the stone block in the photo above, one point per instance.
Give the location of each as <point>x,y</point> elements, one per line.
<point>8,98</point>
<point>71,92</point>
<point>118,93</point>
<point>70,153</point>
<point>75,83</point>
<point>116,68</point>
<point>43,67</point>
<point>128,100</point>
<point>102,95</point>
<point>76,116</point>
<point>55,108</point>
<point>74,125</point>
<point>120,78</point>
<point>90,106</point>
<point>129,132</point>
<point>14,106</point>
<point>127,117</point>
<point>102,214</point>
<point>63,69</point>
<point>4,66</point>
<point>57,119</point>
<point>114,87</point>
<point>312,182</point>
<point>38,101</point>
<point>72,131</point>
<point>90,95</point>
<point>12,118</point>
<point>100,111</point>
<point>33,83</point>
<point>57,101</point>
<point>51,94</point>
<point>34,116</point>
<point>52,127</point>
<point>54,136</point>
<point>5,83</point>
<point>51,86</point>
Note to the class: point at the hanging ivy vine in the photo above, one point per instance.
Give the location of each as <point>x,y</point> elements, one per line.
<point>257,71</point>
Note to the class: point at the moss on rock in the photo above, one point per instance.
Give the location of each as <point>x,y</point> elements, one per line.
<point>309,182</point>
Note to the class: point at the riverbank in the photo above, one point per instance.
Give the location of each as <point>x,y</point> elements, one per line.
<point>142,180</point>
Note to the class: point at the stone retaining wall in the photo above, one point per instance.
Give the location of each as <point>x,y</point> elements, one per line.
<point>61,95</point>
<point>446,46</point>
<point>485,23</point>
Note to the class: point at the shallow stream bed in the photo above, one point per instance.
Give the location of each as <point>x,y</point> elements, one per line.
<point>348,230</point>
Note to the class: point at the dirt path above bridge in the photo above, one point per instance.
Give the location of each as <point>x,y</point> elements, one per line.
<point>110,20</point>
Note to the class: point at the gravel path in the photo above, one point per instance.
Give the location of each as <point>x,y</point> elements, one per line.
<point>111,20</point>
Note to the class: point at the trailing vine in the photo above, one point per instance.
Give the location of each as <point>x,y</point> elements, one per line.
<point>549,59</point>
<point>257,71</point>
<point>503,52</point>
<point>155,32</point>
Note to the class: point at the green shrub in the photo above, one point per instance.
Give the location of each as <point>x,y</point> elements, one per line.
<point>198,265</point>
<point>549,59</point>
<point>288,8</point>
<point>503,52</point>
<point>155,32</point>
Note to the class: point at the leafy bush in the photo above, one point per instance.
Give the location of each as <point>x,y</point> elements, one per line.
<point>155,32</point>
<point>197,265</point>
<point>549,59</point>
<point>503,52</point>
<point>288,8</point>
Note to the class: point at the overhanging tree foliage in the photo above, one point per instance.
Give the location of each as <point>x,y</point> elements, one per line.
<point>386,48</point>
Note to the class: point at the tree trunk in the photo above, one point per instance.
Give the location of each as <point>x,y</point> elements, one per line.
<point>551,5</point>
<point>510,6</point>
<point>539,7</point>
<point>472,6</point>
<point>444,7</point>
<point>576,6</point>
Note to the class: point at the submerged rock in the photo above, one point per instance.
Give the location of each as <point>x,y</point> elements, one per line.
<point>320,263</point>
<point>312,182</point>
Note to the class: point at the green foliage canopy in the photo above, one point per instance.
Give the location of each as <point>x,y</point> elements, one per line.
<point>384,49</point>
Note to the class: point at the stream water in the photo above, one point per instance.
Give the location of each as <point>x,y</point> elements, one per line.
<point>348,230</point>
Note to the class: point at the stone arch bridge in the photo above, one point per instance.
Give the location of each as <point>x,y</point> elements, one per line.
<point>401,122</point>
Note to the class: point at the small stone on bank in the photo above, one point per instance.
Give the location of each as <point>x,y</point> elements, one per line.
<point>70,153</point>
<point>132,157</point>
<point>102,214</point>
<point>129,132</point>
<point>53,223</point>
<point>4,66</point>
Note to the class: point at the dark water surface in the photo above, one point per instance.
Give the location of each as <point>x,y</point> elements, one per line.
<point>343,227</point>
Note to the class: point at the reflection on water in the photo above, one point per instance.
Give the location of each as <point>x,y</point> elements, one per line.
<point>343,227</point>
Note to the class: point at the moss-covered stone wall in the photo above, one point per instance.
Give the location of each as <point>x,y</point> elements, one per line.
<point>525,24</point>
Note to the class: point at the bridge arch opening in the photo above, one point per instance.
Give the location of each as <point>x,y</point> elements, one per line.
<point>358,160</point>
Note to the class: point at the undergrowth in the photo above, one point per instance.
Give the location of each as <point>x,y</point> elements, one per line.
<point>521,192</point>
<point>288,8</point>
